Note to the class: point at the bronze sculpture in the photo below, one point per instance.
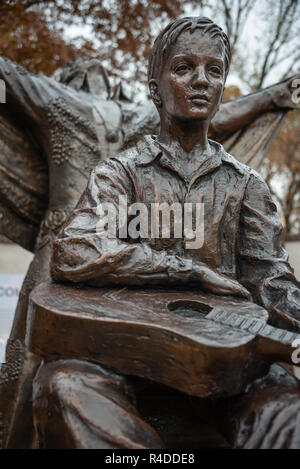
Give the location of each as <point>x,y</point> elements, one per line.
<point>78,403</point>
<point>57,215</point>
<point>45,122</point>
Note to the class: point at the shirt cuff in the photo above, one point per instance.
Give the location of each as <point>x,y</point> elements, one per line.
<point>179,268</point>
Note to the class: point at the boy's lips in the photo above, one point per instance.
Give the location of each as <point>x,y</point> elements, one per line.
<point>200,98</point>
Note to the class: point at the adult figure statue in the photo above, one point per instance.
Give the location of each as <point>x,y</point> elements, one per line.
<point>78,403</point>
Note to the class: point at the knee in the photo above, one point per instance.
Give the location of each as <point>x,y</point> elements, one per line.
<point>61,381</point>
<point>53,383</point>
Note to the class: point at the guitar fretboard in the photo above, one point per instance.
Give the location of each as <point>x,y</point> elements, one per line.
<point>254,326</point>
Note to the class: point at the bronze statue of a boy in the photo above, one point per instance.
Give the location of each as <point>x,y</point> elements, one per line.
<point>81,404</point>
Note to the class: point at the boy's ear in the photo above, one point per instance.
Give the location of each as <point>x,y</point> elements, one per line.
<point>155,96</point>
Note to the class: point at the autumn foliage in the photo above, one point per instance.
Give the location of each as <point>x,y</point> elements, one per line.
<point>284,159</point>
<point>32,32</point>
<point>25,37</point>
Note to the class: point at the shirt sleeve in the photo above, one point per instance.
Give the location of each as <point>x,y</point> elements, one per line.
<point>262,261</point>
<point>30,92</point>
<point>86,252</point>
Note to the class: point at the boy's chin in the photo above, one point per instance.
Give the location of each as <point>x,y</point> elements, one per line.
<point>200,115</point>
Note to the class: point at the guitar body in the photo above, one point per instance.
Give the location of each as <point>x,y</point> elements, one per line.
<point>164,336</point>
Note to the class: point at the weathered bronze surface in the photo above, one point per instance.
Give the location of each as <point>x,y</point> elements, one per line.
<point>241,251</point>
<point>203,345</point>
<point>83,124</point>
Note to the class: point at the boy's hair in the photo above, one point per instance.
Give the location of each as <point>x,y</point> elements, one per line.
<point>170,34</point>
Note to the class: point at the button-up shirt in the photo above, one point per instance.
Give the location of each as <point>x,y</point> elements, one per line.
<point>242,230</point>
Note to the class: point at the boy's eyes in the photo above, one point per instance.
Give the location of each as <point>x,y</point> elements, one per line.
<point>215,70</point>
<point>183,68</point>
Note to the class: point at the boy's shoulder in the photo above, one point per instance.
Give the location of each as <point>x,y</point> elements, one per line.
<point>142,153</point>
<point>128,160</point>
<point>256,185</point>
<point>234,162</point>
<point>241,167</point>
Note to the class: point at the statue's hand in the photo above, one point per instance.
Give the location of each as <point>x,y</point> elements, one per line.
<point>286,95</point>
<point>219,284</point>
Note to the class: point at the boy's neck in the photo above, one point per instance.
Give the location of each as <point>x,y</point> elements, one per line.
<point>185,134</point>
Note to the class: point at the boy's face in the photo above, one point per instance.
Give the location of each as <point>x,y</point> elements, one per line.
<point>192,81</point>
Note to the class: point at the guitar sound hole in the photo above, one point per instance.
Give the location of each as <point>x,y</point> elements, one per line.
<point>189,309</point>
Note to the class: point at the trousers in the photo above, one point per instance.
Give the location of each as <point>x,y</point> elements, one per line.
<point>79,404</point>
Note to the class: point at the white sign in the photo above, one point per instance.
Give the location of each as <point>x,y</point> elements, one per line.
<point>10,286</point>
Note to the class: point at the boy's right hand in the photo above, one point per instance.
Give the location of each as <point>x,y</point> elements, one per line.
<point>219,284</point>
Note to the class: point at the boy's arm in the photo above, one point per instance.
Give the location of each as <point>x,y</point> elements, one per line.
<point>85,252</point>
<point>263,263</point>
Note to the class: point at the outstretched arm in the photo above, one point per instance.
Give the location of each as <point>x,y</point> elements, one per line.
<point>238,113</point>
<point>25,92</point>
<point>23,169</point>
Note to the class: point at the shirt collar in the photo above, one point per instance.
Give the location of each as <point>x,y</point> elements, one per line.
<point>169,160</point>
<point>150,150</point>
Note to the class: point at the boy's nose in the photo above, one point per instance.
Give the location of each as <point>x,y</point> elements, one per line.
<point>199,78</point>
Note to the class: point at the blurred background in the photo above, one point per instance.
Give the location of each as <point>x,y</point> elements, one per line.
<point>44,35</point>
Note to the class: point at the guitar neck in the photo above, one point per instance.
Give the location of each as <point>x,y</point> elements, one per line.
<point>274,343</point>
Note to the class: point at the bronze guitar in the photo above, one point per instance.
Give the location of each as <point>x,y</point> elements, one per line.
<point>200,344</point>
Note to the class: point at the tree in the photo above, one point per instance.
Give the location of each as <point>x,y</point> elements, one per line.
<point>264,38</point>
<point>33,32</point>
<point>234,13</point>
<point>36,33</point>
<point>285,160</point>
<point>26,38</point>
<point>281,39</point>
